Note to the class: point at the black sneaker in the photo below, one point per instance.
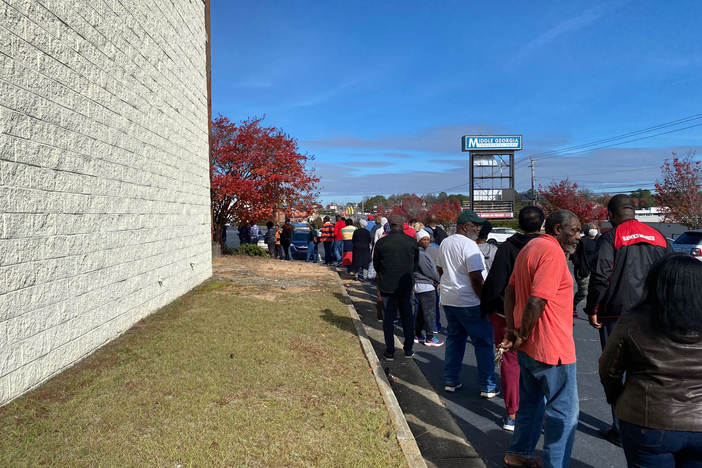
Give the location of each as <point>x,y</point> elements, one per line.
<point>409,354</point>
<point>611,436</point>
<point>388,356</point>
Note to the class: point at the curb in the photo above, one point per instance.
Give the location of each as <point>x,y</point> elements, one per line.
<point>404,436</point>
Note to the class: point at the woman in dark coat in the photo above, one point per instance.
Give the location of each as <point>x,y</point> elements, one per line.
<point>286,239</point>
<point>361,250</point>
<point>657,345</point>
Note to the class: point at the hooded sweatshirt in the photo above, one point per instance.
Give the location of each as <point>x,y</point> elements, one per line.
<point>377,232</point>
<point>493,298</point>
<point>427,272</point>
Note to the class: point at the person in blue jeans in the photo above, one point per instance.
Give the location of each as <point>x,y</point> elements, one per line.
<point>312,243</point>
<point>539,315</point>
<point>657,345</point>
<point>339,239</point>
<point>462,323</point>
<point>461,267</point>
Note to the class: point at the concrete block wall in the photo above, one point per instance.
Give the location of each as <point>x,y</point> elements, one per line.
<point>104,174</point>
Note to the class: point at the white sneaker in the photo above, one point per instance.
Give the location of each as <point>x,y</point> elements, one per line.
<point>452,388</point>
<point>489,394</point>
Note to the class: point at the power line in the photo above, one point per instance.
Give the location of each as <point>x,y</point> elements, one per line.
<point>625,135</point>
<point>621,143</point>
<point>625,188</point>
<point>452,188</point>
<point>524,162</point>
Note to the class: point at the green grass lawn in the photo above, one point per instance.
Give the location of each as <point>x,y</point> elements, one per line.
<point>228,375</point>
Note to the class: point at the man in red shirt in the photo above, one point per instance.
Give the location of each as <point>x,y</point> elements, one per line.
<point>339,239</point>
<point>538,311</point>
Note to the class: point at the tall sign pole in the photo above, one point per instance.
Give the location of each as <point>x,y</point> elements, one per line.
<point>533,196</point>
<point>491,179</point>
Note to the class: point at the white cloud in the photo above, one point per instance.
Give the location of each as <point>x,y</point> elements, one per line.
<point>570,25</point>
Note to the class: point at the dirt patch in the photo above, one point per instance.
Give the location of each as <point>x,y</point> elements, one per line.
<point>249,275</point>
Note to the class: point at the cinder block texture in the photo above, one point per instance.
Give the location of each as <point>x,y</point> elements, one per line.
<point>104,174</point>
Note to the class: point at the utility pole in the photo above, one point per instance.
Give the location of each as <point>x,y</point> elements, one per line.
<point>533,196</point>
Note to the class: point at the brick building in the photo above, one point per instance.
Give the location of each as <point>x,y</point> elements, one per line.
<point>104,163</point>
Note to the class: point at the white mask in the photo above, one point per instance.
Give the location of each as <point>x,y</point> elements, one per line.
<point>592,232</point>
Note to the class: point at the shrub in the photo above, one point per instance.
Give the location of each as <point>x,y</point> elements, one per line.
<point>251,250</point>
<point>318,222</point>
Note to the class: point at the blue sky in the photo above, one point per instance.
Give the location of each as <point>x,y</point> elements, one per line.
<point>381,92</point>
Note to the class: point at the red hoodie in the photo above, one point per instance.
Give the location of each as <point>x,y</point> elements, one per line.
<point>409,230</point>
<point>337,230</point>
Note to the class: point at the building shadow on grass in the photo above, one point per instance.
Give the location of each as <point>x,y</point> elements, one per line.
<point>341,322</point>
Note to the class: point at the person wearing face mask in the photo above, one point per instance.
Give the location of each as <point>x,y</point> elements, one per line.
<point>583,259</point>
<point>624,258</point>
<point>462,270</point>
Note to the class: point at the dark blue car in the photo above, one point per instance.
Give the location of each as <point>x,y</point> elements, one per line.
<point>298,248</point>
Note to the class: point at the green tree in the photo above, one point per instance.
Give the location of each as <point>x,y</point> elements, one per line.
<point>643,198</point>
<point>430,199</point>
<point>397,198</point>
<point>458,196</point>
<point>373,202</point>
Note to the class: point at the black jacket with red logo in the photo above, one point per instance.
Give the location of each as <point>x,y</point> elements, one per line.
<point>624,257</point>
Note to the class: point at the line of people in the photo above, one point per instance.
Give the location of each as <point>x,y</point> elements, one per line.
<point>279,239</point>
<point>517,304</point>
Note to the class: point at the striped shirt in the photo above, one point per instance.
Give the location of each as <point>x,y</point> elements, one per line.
<point>328,232</point>
<point>347,232</point>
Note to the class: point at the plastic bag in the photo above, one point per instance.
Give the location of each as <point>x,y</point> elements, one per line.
<point>371,272</point>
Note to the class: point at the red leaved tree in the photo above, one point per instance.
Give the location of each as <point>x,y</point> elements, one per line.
<point>411,207</point>
<point>446,212</point>
<point>565,195</point>
<point>381,211</point>
<point>679,195</point>
<point>257,171</point>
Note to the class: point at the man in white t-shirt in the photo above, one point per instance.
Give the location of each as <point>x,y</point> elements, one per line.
<point>462,271</point>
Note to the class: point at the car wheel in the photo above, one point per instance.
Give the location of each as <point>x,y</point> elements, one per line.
<point>492,241</point>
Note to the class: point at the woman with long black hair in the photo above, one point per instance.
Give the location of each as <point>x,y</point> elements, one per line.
<point>658,346</point>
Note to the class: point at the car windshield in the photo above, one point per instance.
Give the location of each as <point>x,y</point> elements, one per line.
<point>300,236</point>
<point>689,238</point>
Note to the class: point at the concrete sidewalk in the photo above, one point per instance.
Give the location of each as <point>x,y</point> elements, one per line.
<point>478,419</point>
<point>440,439</point>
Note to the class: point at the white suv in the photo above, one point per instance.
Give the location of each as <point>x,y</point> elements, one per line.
<point>500,234</point>
<point>690,242</point>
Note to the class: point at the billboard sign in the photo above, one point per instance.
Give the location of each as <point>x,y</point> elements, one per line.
<point>492,143</point>
<point>503,215</point>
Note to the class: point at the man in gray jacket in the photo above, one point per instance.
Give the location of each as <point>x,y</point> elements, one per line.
<point>426,279</point>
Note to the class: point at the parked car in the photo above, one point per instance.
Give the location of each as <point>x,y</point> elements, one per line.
<point>298,248</point>
<point>690,242</point>
<point>261,241</point>
<point>500,234</point>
